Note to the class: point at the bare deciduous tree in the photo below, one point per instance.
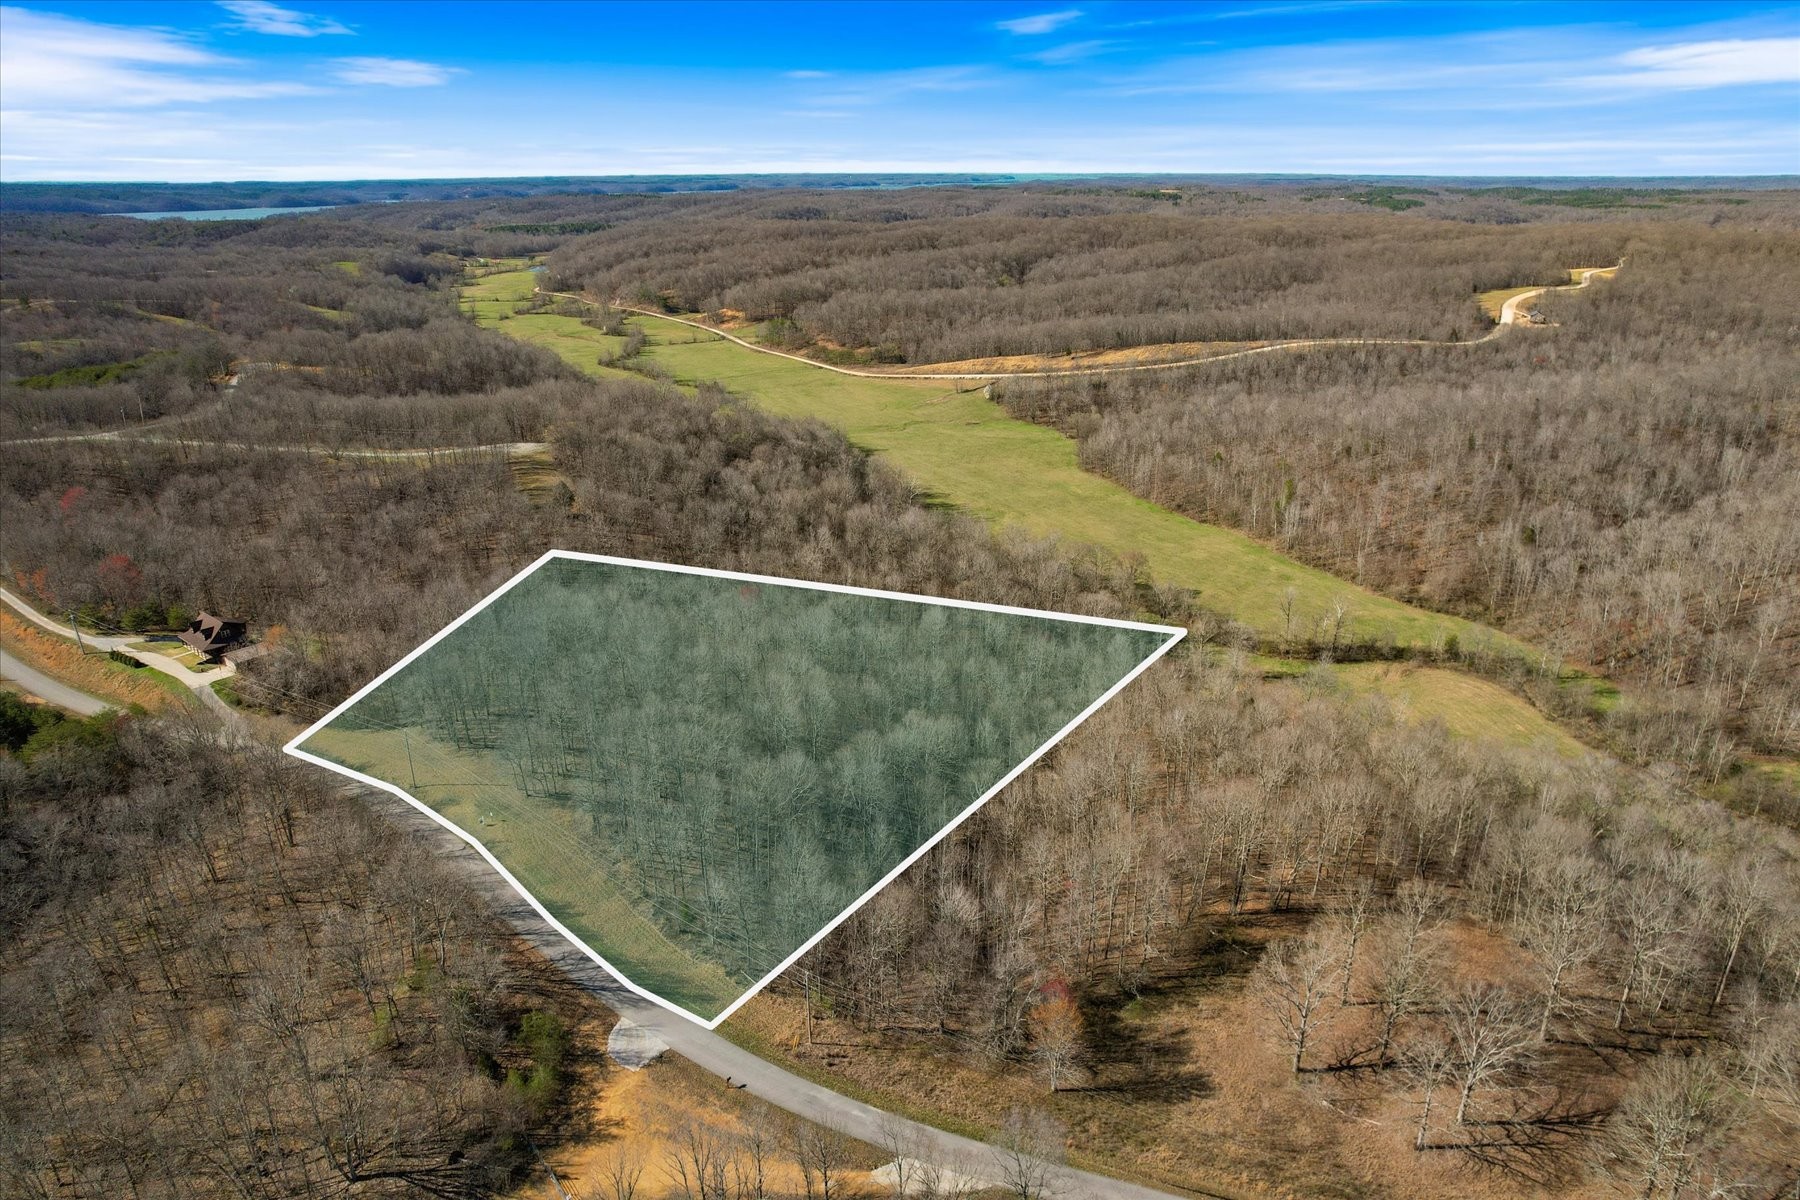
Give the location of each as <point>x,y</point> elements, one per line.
<point>1028,1155</point>
<point>1561,926</point>
<point>1670,1120</point>
<point>1490,1031</point>
<point>1296,984</point>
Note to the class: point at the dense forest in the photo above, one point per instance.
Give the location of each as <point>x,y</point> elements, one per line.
<point>1452,967</point>
<point>222,977</point>
<point>745,760</point>
<point>1621,490</point>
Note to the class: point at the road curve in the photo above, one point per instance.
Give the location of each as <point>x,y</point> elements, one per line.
<point>43,687</point>
<point>712,1052</point>
<point>703,1047</point>
<point>1509,315</point>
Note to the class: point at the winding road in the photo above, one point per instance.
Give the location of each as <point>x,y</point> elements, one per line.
<point>200,683</point>
<point>705,1048</point>
<point>715,1054</point>
<point>1509,315</point>
<point>43,687</point>
<point>432,452</point>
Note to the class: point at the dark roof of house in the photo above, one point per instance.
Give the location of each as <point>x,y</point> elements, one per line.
<point>209,634</point>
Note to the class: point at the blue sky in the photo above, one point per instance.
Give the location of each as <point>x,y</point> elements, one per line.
<point>249,89</point>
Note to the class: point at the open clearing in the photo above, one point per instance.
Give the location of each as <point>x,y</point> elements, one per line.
<point>567,872</point>
<point>493,299</point>
<point>1468,707</point>
<point>961,448</point>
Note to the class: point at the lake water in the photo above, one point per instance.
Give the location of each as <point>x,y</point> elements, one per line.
<point>227,214</point>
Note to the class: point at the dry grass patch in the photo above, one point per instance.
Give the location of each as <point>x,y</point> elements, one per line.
<point>1468,707</point>
<point>637,1115</point>
<point>95,674</point>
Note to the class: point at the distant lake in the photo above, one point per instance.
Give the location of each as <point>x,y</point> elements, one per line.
<point>226,214</point>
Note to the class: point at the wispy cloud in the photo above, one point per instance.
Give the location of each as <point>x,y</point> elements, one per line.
<point>806,74</point>
<point>881,87</point>
<point>1519,69</point>
<point>1729,63</point>
<point>1071,52</point>
<point>392,72</point>
<point>259,16</point>
<point>52,61</point>
<point>1048,22</point>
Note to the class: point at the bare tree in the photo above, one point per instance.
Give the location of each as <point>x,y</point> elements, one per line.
<point>1028,1154</point>
<point>696,1158</point>
<point>1740,896</point>
<point>1671,1119</point>
<point>1403,981</point>
<point>621,1170</point>
<point>1490,1032</point>
<point>822,1156</point>
<point>1356,916</point>
<point>900,1143</point>
<point>1561,925</point>
<point>756,1146</point>
<point>1296,984</point>
<point>1648,923</point>
<point>1058,1038</point>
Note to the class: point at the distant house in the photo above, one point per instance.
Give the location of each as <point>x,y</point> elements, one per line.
<point>211,636</point>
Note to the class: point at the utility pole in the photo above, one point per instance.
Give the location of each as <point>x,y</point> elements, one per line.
<point>407,737</point>
<point>77,629</point>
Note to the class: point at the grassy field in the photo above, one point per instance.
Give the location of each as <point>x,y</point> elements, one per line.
<point>186,655</point>
<point>1492,302</point>
<point>540,845</point>
<point>962,448</point>
<point>493,298</point>
<point>1468,707</point>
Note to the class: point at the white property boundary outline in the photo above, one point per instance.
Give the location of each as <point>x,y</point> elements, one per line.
<point>1175,632</point>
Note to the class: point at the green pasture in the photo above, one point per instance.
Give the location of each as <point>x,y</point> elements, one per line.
<point>965,450</point>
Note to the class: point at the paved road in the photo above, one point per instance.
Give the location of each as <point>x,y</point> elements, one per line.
<point>199,682</point>
<point>432,452</point>
<point>709,1050</point>
<point>45,688</point>
<point>701,1046</point>
<point>1509,315</point>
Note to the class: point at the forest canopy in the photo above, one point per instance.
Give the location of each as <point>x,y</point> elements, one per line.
<point>738,761</point>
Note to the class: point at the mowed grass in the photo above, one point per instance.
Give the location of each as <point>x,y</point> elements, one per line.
<point>1492,302</point>
<point>1469,707</point>
<point>493,300</point>
<point>965,450</point>
<point>538,842</point>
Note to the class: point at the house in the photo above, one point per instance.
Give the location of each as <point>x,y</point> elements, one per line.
<point>211,636</point>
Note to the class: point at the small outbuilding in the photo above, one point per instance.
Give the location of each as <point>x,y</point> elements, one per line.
<point>212,636</point>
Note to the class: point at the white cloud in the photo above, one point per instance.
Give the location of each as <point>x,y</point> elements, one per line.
<point>63,62</point>
<point>1070,52</point>
<point>884,87</point>
<point>259,16</point>
<point>392,72</point>
<point>807,74</point>
<point>1728,63</point>
<point>1041,23</point>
